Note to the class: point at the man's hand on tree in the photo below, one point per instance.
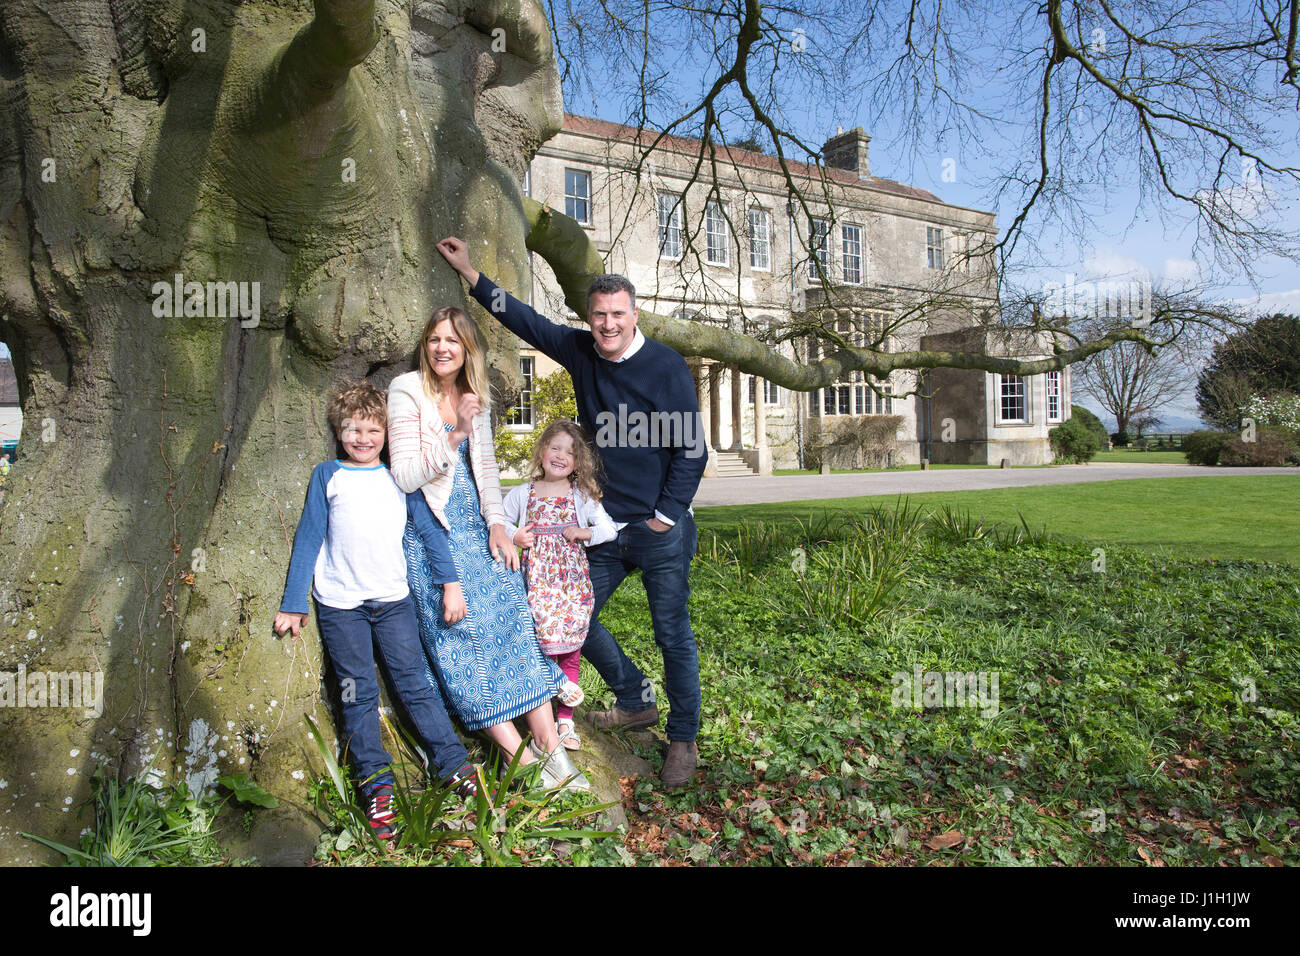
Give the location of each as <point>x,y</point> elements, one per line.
<point>456,252</point>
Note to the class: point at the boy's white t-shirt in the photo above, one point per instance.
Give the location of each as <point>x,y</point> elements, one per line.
<point>348,546</point>
<point>362,558</point>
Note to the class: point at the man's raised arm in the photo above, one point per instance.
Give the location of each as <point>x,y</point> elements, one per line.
<point>541,333</point>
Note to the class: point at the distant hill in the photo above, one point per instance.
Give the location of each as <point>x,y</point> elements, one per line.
<point>1176,423</point>
<point>1168,423</point>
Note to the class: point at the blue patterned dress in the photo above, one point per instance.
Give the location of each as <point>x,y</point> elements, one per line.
<point>488,663</point>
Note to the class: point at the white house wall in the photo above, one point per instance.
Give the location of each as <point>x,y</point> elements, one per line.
<point>624,226</point>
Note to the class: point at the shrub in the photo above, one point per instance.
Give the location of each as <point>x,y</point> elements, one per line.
<point>1073,441</point>
<point>1119,438</point>
<point>1092,422</point>
<point>1272,446</point>
<point>866,441</point>
<point>1282,409</point>
<point>1203,447</point>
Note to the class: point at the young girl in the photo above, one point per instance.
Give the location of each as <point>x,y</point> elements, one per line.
<point>561,507</point>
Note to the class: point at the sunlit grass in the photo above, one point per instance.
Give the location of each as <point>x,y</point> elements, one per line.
<point>1251,517</point>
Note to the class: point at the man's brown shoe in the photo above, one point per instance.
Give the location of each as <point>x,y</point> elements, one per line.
<point>679,765</point>
<point>619,719</point>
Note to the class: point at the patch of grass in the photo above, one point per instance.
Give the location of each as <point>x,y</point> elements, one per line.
<point>1145,713</point>
<point>1128,456</point>
<point>874,471</point>
<point>511,821</point>
<point>1251,517</point>
<point>143,821</point>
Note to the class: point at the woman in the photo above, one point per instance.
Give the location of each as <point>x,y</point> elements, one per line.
<point>440,440</point>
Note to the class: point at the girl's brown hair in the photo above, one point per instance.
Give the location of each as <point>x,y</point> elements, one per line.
<point>473,374</point>
<point>586,466</point>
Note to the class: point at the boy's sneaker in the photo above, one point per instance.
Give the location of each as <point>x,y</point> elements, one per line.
<point>381,810</point>
<point>464,781</point>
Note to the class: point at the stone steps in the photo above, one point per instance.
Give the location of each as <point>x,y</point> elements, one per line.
<point>731,465</point>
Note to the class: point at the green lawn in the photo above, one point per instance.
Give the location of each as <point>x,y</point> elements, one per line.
<point>1252,517</point>
<point>781,472</point>
<point>1143,457</point>
<point>1143,714</point>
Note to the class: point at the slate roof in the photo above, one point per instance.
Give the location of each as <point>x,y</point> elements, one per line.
<point>741,157</point>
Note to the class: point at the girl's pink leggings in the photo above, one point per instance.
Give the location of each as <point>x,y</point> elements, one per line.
<point>569,663</point>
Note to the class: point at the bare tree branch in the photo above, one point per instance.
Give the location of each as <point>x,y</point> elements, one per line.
<point>1180,101</point>
<point>322,54</point>
<point>567,248</point>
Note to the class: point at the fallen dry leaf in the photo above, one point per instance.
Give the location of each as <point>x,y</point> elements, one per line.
<point>944,840</point>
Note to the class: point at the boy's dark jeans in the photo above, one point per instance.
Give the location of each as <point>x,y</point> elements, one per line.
<point>351,638</point>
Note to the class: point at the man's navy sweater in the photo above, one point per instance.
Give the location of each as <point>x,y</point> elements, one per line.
<point>642,412</point>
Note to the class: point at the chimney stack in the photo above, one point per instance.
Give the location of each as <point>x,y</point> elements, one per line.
<point>848,151</point>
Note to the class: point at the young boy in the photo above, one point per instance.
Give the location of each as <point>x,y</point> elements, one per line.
<point>349,540</point>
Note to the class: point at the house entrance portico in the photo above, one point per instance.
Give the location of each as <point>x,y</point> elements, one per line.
<point>719,389</point>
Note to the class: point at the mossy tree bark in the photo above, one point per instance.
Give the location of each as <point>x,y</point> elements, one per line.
<point>315,150</point>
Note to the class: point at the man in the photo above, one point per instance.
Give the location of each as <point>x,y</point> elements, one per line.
<point>638,398</point>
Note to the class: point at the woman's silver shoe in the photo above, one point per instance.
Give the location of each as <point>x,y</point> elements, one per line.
<point>558,770</point>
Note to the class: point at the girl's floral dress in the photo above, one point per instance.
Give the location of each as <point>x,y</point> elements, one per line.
<point>559,583</point>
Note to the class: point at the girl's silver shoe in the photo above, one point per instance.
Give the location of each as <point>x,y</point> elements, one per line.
<point>557,768</point>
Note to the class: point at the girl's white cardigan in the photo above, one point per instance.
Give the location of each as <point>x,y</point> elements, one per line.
<point>420,455</point>
<point>591,514</point>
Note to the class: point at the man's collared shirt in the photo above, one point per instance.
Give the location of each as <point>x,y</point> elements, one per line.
<point>638,340</point>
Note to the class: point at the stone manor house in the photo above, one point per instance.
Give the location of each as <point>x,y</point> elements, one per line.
<point>877,261</point>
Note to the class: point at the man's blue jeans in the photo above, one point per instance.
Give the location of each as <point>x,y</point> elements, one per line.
<point>351,637</point>
<point>665,563</point>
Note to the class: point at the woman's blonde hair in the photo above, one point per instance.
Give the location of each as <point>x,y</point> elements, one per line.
<point>586,466</point>
<point>473,374</point>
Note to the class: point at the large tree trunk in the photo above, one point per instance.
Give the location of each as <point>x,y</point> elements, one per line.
<point>146,527</point>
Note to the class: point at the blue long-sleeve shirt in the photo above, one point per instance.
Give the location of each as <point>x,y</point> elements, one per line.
<point>349,539</point>
<point>642,412</point>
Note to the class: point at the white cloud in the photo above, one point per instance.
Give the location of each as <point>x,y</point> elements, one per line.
<point>1180,271</point>
<point>1267,303</point>
<point>1112,264</point>
<point>1250,199</point>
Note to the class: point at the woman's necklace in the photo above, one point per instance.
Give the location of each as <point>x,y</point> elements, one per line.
<point>447,408</point>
